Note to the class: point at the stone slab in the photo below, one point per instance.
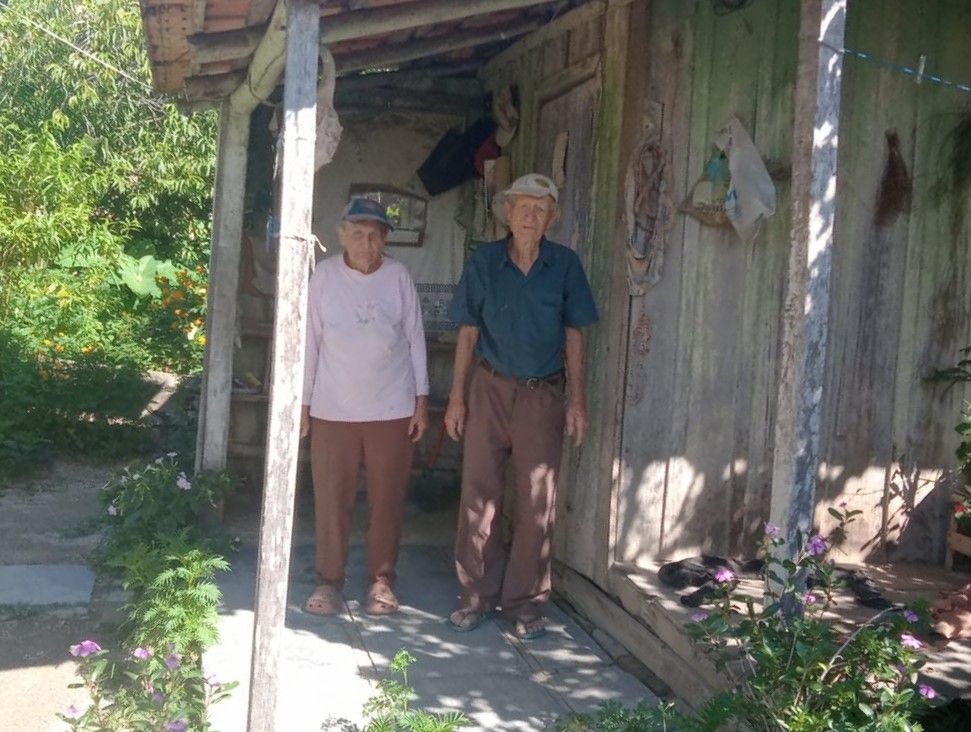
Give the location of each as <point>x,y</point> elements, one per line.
<point>45,584</point>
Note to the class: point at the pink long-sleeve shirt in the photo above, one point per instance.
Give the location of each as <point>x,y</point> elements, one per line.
<point>366,357</point>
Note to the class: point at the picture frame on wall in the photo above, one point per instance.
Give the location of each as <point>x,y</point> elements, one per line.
<point>406,211</point>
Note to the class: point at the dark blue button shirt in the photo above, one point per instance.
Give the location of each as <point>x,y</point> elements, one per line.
<point>522,317</point>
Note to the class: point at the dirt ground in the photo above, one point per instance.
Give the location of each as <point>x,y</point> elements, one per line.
<point>47,519</point>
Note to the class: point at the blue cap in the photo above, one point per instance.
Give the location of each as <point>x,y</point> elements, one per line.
<point>364,209</point>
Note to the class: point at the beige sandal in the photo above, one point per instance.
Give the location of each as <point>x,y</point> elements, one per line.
<point>381,600</point>
<point>325,600</point>
<point>469,618</point>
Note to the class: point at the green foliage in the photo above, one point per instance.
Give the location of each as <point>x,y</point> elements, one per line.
<point>794,671</point>
<point>146,691</point>
<point>153,538</point>
<point>145,508</point>
<point>174,596</point>
<point>389,710</point>
<point>663,717</point>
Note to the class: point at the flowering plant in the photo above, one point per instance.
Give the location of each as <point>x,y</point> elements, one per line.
<point>157,502</point>
<point>145,691</point>
<point>793,670</point>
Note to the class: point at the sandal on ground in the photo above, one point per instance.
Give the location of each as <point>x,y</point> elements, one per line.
<point>468,618</point>
<point>527,630</point>
<point>325,600</point>
<point>381,600</point>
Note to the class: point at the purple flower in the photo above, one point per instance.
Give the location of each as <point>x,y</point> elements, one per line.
<point>724,575</point>
<point>908,641</point>
<point>843,504</point>
<point>72,712</point>
<point>816,546</point>
<point>926,691</point>
<point>172,661</point>
<point>142,653</point>
<point>183,482</point>
<point>771,531</point>
<point>157,698</point>
<point>911,616</point>
<point>85,648</point>
<point>808,599</point>
<point>699,617</point>
<point>178,725</point>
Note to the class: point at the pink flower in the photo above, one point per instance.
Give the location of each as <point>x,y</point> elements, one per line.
<point>72,712</point>
<point>926,691</point>
<point>771,531</point>
<point>699,617</point>
<point>959,509</point>
<point>84,648</point>
<point>172,661</point>
<point>908,641</point>
<point>808,599</point>
<point>724,575</point>
<point>213,681</point>
<point>142,653</point>
<point>178,725</point>
<point>183,482</point>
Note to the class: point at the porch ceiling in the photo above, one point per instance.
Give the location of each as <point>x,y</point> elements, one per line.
<point>200,50</point>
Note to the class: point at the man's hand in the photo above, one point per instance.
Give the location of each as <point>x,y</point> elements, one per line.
<point>305,420</point>
<point>577,422</point>
<point>455,419</point>
<point>419,420</point>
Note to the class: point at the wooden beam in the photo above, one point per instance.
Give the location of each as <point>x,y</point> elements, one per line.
<point>412,76</point>
<point>394,18</point>
<point>378,99</point>
<point>815,139</point>
<point>403,52</point>
<point>259,11</point>
<point>225,46</point>
<point>286,384</point>
<point>227,230</point>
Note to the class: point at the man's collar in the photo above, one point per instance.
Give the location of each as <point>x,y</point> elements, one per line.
<point>543,258</point>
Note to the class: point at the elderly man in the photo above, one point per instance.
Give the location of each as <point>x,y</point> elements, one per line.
<point>520,305</point>
<point>365,401</point>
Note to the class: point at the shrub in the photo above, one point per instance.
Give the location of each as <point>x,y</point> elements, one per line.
<point>147,690</point>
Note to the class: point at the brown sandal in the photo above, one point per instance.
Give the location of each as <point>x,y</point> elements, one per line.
<point>469,618</point>
<point>325,600</point>
<point>381,600</point>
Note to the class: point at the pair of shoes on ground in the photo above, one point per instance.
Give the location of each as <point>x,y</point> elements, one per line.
<point>328,600</point>
<point>467,619</point>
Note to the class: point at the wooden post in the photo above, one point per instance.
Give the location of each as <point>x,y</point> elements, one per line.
<point>283,432</point>
<point>804,327</point>
<point>212,435</point>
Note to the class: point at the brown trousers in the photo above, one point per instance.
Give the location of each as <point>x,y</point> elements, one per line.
<point>508,421</point>
<point>337,451</point>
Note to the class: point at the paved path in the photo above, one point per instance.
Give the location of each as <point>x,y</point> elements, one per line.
<point>330,665</point>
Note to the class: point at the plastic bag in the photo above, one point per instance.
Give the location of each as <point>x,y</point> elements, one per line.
<point>736,187</point>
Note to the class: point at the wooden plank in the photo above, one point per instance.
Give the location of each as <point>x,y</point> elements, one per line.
<point>554,55</point>
<point>642,643</point>
<point>585,40</point>
<point>649,442</point>
<point>567,78</point>
<point>226,46</point>
<point>224,257</point>
<point>283,432</point>
<point>378,21</point>
<point>804,331</point>
<point>393,54</point>
<point>259,11</point>
<point>868,282</point>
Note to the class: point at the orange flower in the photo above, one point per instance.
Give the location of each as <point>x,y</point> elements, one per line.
<point>44,374</point>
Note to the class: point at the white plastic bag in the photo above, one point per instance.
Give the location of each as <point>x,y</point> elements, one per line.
<point>751,193</point>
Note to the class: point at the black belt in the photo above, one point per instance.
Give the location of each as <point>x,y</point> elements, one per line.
<point>534,382</point>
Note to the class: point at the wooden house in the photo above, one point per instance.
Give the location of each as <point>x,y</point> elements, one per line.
<point>746,381</point>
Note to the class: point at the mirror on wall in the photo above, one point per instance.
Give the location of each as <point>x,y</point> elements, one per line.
<point>405,210</point>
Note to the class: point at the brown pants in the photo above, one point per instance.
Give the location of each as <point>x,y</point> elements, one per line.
<point>507,420</point>
<point>337,451</point>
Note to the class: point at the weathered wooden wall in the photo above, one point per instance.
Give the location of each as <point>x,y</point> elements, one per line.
<point>702,368</point>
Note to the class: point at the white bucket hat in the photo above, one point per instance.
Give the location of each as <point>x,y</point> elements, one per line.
<point>531,184</point>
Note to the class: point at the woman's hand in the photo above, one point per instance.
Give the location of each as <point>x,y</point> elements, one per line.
<point>419,420</point>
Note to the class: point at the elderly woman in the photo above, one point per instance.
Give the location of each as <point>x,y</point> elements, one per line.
<point>520,305</point>
<point>365,401</point>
